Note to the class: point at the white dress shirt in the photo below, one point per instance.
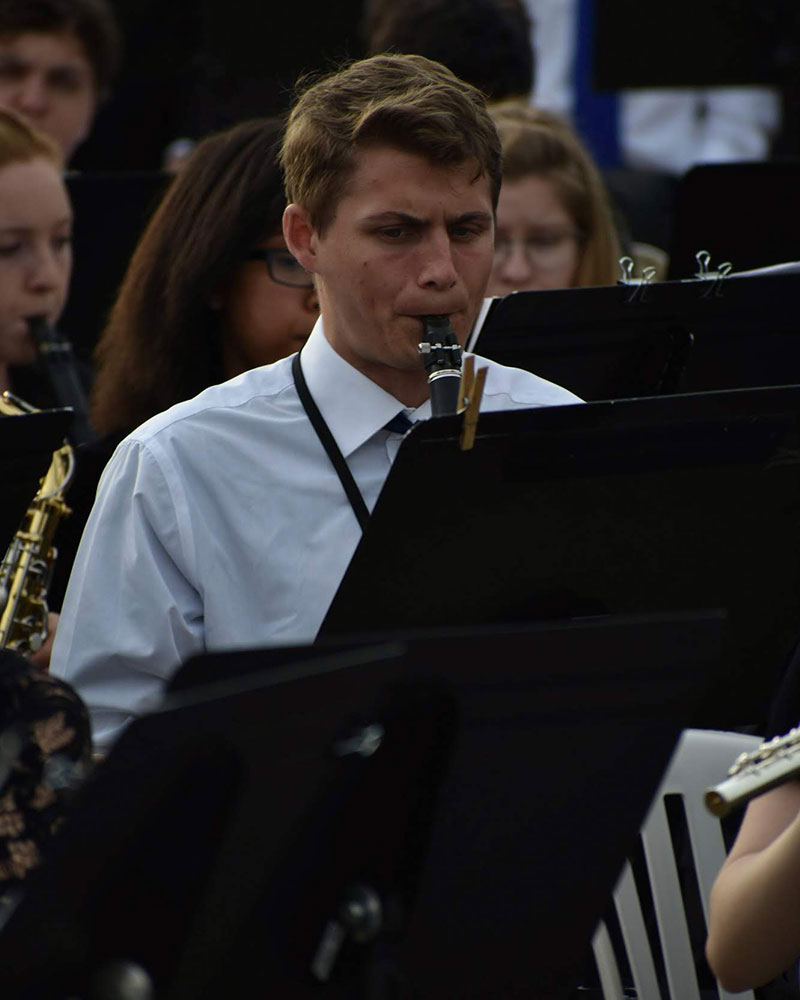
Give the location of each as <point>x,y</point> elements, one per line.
<point>222,524</point>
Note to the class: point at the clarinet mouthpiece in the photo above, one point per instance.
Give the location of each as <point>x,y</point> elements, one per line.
<point>39,329</point>
<point>48,340</point>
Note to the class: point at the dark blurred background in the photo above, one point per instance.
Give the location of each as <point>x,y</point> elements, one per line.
<point>192,66</point>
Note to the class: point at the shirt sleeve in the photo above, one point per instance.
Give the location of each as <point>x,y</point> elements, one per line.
<point>131,613</point>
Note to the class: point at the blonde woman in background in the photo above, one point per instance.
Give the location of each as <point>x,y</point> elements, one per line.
<point>555,227</point>
<point>35,263</point>
<point>35,251</point>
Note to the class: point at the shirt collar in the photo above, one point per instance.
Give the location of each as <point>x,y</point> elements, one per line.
<point>353,406</point>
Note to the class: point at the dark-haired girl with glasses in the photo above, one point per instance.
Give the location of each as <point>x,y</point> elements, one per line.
<point>211,289</point>
<point>266,308</point>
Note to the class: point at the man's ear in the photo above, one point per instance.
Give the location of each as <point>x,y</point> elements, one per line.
<point>300,236</point>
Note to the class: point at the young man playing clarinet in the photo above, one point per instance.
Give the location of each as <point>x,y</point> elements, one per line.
<point>224,523</point>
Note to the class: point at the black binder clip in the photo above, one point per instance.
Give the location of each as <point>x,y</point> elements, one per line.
<point>715,277</point>
<point>639,285</point>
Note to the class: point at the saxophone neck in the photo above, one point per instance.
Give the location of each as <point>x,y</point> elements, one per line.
<point>13,406</point>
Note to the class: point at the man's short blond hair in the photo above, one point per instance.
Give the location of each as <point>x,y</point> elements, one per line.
<point>403,101</point>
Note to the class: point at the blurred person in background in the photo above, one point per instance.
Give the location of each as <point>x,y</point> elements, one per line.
<point>555,227</point>
<point>35,251</point>
<point>35,264</point>
<point>753,926</point>
<point>485,42</point>
<point>666,129</point>
<point>57,62</point>
<point>644,139</point>
<point>44,760</point>
<point>211,289</point>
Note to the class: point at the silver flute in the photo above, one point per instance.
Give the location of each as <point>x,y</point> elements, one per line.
<point>771,764</point>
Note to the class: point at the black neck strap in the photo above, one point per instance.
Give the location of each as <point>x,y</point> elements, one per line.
<point>329,444</point>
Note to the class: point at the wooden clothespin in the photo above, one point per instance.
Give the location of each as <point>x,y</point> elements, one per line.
<point>470,393</point>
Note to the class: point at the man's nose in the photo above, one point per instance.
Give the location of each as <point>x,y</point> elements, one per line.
<point>438,267</point>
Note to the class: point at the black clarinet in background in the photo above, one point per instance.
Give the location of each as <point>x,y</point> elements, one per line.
<point>441,356</point>
<point>58,361</point>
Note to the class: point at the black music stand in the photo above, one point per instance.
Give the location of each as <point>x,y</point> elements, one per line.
<point>677,336</point>
<point>633,506</point>
<point>27,443</point>
<point>707,216</point>
<point>594,341</point>
<point>483,786</point>
<point>718,43</point>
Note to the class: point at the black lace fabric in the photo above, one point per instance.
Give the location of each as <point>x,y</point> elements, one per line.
<point>45,752</point>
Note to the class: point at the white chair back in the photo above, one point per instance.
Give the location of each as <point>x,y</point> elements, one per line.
<point>701,759</point>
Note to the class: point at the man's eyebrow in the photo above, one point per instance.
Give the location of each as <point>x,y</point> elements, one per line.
<point>473,217</point>
<point>392,216</point>
<point>414,220</point>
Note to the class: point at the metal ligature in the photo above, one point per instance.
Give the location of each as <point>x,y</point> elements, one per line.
<point>27,566</point>
<point>769,765</point>
<point>441,356</point>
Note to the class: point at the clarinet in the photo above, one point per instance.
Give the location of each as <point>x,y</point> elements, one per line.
<point>58,360</point>
<point>441,356</point>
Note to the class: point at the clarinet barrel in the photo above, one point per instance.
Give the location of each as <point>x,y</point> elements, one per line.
<point>441,356</point>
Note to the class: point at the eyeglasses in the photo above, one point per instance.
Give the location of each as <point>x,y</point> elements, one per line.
<point>541,248</point>
<point>283,267</point>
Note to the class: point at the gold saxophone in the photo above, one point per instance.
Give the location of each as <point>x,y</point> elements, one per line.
<point>27,567</point>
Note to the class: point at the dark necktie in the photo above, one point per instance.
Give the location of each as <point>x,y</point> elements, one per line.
<point>399,424</point>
